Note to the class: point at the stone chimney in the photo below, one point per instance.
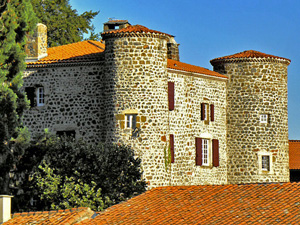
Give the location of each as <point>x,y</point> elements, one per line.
<point>113,24</point>
<point>36,47</point>
<point>173,50</point>
<point>5,208</point>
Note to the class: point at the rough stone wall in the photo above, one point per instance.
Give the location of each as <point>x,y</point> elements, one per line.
<point>256,87</point>
<point>73,100</point>
<point>186,124</point>
<point>136,82</point>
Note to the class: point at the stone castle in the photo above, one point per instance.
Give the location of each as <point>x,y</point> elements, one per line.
<point>189,125</point>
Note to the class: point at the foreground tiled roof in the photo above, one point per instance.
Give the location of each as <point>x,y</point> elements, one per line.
<point>67,217</point>
<point>207,204</point>
<point>249,54</point>
<point>134,29</point>
<point>176,65</point>
<point>219,204</point>
<point>85,51</point>
<point>294,154</point>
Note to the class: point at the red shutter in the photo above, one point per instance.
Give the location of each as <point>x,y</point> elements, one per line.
<point>215,146</point>
<point>199,151</point>
<point>202,111</point>
<point>172,147</point>
<point>171,95</point>
<point>212,112</point>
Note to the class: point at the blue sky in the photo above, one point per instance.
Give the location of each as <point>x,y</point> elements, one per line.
<point>207,29</point>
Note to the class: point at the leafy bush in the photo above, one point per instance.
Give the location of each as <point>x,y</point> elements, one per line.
<point>113,168</point>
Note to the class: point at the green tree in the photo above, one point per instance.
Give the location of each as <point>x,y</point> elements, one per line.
<point>66,192</point>
<point>114,168</point>
<point>17,19</point>
<point>64,24</point>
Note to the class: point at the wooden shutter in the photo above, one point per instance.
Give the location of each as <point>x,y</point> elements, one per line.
<point>199,151</point>
<point>215,146</point>
<point>202,111</point>
<point>172,148</point>
<point>212,112</point>
<point>171,95</point>
<point>30,92</point>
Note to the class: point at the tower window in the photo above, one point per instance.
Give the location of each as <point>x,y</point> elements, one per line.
<point>130,121</point>
<point>265,162</point>
<point>264,118</point>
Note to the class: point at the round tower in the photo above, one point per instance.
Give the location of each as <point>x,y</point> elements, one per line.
<point>136,94</point>
<point>257,117</point>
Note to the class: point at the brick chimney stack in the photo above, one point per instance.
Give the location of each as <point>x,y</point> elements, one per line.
<point>36,47</point>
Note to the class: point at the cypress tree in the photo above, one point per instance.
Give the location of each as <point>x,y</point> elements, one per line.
<point>17,19</point>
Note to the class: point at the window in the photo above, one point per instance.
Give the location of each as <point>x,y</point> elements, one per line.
<point>265,163</point>
<point>40,96</point>
<point>36,95</point>
<point>130,121</point>
<point>171,97</point>
<point>66,133</point>
<point>207,152</point>
<point>264,118</point>
<point>206,111</point>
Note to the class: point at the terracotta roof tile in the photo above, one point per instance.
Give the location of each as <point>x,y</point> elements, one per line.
<point>134,29</point>
<point>64,217</point>
<point>247,54</point>
<point>294,147</point>
<point>173,64</point>
<point>215,204</point>
<point>85,51</point>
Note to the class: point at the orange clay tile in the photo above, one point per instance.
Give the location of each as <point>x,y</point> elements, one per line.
<point>85,51</point>
<point>248,54</point>
<point>65,217</point>
<point>294,147</point>
<point>214,204</point>
<point>207,204</point>
<point>176,65</point>
<point>134,29</point>
<point>91,51</point>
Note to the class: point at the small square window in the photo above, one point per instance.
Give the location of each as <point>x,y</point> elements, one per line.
<point>264,118</point>
<point>130,121</point>
<point>265,163</point>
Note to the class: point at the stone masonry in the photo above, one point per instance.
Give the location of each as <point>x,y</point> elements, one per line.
<point>189,125</point>
<point>257,86</point>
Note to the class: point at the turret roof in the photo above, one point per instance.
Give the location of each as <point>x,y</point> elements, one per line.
<point>134,29</point>
<point>249,54</point>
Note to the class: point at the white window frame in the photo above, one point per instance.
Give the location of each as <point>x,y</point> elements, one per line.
<point>128,121</point>
<point>264,118</point>
<point>262,169</point>
<point>206,152</point>
<point>40,96</point>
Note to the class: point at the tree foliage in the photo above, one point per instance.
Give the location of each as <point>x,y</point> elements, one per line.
<point>113,168</point>
<point>64,24</point>
<point>66,192</point>
<point>17,19</point>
